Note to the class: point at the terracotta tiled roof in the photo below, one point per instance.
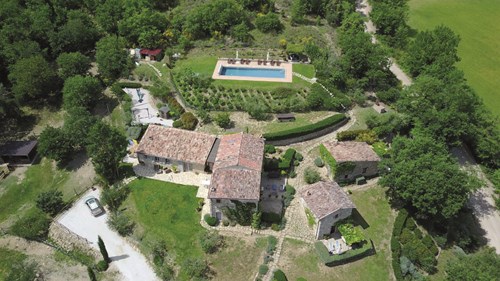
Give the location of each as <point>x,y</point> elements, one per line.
<point>325,197</point>
<point>237,168</point>
<point>242,150</point>
<point>177,144</point>
<point>235,183</point>
<point>351,151</point>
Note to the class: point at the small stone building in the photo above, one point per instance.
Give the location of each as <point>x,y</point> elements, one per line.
<point>237,172</point>
<point>19,153</point>
<point>328,203</point>
<point>151,54</point>
<point>166,147</point>
<point>353,159</point>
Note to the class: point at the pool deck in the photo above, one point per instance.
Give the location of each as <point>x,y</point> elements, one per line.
<point>253,64</point>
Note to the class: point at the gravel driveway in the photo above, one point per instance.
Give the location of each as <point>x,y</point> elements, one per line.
<point>129,261</point>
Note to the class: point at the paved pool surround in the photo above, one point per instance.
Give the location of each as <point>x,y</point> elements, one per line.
<point>285,66</point>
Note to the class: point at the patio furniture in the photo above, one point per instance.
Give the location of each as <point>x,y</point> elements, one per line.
<point>259,62</point>
<point>272,62</point>
<point>278,63</point>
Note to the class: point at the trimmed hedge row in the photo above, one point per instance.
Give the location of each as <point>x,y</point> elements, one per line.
<point>328,159</point>
<point>134,85</point>
<point>304,130</point>
<point>395,246</point>
<point>351,255</point>
<point>286,160</point>
<point>271,217</point>
<point>351,135</point>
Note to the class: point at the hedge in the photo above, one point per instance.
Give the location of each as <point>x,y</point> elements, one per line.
<point>286,160</point>
<point>271,217</point>
<point>212,221</point>
<point>279,275</point>
<point>304,130</point>
<point>351,255</point>
<point>134,85</point>
<point>395,246</point>
<point>328,159</point>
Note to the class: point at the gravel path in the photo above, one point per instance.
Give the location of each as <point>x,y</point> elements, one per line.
<point>127,259</point>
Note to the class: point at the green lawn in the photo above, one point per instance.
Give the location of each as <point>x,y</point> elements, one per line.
<point>16,197</point>
<point>362,114</point>
<point>205,65</point>
<point>478,24</point>
<point>299,259</point>
<point>7,259</point>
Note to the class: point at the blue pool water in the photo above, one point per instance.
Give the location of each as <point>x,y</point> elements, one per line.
<point>252,72</point>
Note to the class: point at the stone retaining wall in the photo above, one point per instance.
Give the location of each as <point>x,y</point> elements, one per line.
<point>310,136</point>
<point>69,240</point>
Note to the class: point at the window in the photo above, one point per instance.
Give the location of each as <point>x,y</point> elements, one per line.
<point>166,161</point>
<point>157,158</point>
<point>217,200</point>
<point>337,215</point>
<point>364,170</point>
<point>345,177</point>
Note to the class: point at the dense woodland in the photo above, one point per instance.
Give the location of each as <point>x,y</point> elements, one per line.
<point>47,48</point>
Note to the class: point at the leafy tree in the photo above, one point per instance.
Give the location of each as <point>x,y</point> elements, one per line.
<point>390,19</point>
<point>77,34</point>
<point>114,196</point>
<point>102,249</point>
<point>257,111</point>
<point>33,78</point>
<point>21,49</point>
<point>337,10</point>
<point>112,58</point>
<point>241,32</point>
<point>188,121</point>
<point>141,23</point>
<point>298,11</point>
<point>55,144</point>
<point>269,23</point>
<point>8,105</point>
<point>121,223</point>
<point>210,241</point>
<point>32,226</point>
<point>424,177</point>
<point>195,267</point>
<point>51,202</point>
<point>107,147</point>
<point>223,120</point>
<point>256,220</point>
<point>71,64</point>
<point>78,123</point>
<point>481,266</point>
<point>433,51</point>
<point>150,38</point>
<point>81,91</point>
<point>109,14</point>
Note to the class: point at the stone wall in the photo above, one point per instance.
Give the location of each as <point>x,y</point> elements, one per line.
<point>326,223</point>
<point>310,136</point>
<point>371,170</point>
<point>69,240</point>
<point>151,161</point>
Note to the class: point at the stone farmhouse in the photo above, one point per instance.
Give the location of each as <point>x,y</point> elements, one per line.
<point>353,159</point>
<point>328,203</point>
<point>186,150</point>
<point>235,161</point>
<point>237,172</point>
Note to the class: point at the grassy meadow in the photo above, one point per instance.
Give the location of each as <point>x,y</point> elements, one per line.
<point>478,24</point>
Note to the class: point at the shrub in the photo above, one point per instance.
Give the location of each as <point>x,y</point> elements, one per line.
<point>212,221</point>
<point>225,222</point>
<point>195,267</point>
<point>268,23</point>
<point>351,234</point>
<point>188,121</point>
<point>32,226</point>
<point>271,217</point>
<point>269,148</point>
<point>278,275</point>
<point>210,241</point>
<point>351,135</point>
<point>311,176</point>
<point>102,266</point>
<point>299,156</point>
<point>223,120</point>
<point>256,219</point>
<point>304,130</point>
<point>286,160</point>
<point>50,202</point>
<point>263,269</point>
<point>275,227</point>
<point>121,223</point>
<point>318,162</point>
<point>129,85</point>
<point>114,196</point>
<point>267,259</point>
<point>368,137</point>
<point>292,174</point>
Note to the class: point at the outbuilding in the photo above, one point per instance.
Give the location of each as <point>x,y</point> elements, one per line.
<point>19,153</point>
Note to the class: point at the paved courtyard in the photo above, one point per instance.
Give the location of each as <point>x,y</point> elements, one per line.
<point>144,108</point>
<point>186,178</point>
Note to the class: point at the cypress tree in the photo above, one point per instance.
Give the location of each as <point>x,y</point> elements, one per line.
<point>103,250</point>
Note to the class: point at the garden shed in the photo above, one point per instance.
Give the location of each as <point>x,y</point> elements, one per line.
<point>151,54</point>
<point>164,111</point>
<point>285,117</point>
<point>17,153</point>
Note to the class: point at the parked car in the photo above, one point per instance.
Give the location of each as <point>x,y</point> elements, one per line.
<point>94,206</point>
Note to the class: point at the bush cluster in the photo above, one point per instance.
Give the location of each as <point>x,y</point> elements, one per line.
<point>350,135</point>
<point>269,148</point>
<point>395,246</point>
<point>121,223</point>
<point>210,241</point>
<point>212,221</point>
<point>304,130</point>
<point>286,160</point>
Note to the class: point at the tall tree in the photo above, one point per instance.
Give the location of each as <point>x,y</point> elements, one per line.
<point>481,266</point>
<point>77,34</point>
<point>112,58</point>
<point>33,78</point>
<point>78,122</point>
<point>71,64</point>
<point>422,176</point>
<point>107,147</point>
<point>81,91</point>
<point>108,15</point>
<point>55,144</point>
<point>103,250</point>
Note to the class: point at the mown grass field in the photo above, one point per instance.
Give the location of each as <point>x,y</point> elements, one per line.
<point>299,259</point>
<point>478,24</point>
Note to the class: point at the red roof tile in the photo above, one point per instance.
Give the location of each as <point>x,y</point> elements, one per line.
<point>351,151</point>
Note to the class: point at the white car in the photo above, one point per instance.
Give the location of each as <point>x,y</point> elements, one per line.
<point>94,206</point>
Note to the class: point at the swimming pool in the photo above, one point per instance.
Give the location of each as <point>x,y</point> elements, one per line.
<point>252,72</point>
